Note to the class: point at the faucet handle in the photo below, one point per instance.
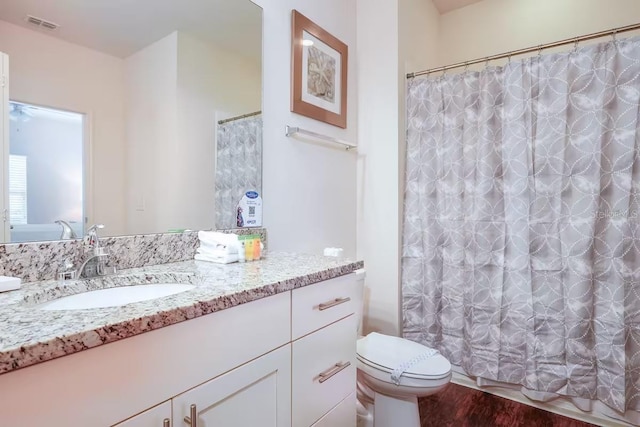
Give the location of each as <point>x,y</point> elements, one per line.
<point>92,234</point>
<point>94,229</point>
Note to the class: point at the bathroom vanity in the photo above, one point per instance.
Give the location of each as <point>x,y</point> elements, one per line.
<point>268,343</point>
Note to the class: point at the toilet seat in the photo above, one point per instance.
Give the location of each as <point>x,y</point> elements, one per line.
<point>380,354</point>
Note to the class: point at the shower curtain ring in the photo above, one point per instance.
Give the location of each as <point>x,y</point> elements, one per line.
<point>466,66</point>
<point>540,50</point>
<point>614,35</point>
<point>575,44</point>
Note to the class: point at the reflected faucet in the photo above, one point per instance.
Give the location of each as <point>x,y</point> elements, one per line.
<point>67,231</point>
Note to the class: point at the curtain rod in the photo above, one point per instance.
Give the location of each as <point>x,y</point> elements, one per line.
<point>538,48</point>
<point>244,116</point>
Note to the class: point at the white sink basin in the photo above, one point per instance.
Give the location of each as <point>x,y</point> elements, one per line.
<point>115,297</point>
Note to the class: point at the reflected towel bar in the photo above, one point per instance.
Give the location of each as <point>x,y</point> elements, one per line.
<point>292,130</point>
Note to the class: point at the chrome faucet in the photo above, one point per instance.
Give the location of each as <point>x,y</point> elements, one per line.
<point>94,262</point>
<point>67,231</point>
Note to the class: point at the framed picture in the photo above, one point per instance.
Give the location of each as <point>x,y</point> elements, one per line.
<point>319,73</point>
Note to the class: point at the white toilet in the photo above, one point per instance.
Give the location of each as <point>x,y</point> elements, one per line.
<point>392,373</point>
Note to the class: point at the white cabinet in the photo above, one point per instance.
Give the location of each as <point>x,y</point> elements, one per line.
<point>158,416</point>
<point>257,393</point>
<point>342,415</point>
<point>111,383</point>
<point>324,324</point>
<point>240,367</point>
<point>314,307</point>
<point>324,370</point>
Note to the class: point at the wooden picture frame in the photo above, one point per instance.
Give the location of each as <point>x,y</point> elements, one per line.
<point>318,72</point>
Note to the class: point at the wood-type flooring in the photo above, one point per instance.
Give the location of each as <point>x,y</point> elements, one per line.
<point>459,406</point>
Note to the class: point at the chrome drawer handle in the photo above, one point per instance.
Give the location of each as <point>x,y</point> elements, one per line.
<point>332,371</point>
<point>193,419</point>
<point>337,301</point>
<point>166,423</point>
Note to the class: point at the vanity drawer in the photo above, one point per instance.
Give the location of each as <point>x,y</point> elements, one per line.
<point>343,415</point>
<point>320,304</point>
<point>324,370</point>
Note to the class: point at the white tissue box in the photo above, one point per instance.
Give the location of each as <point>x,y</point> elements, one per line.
<point>333,252</point>
<point>9,283</point>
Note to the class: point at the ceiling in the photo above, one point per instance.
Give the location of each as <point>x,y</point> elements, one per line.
<point>122,27</point>
<point>24,112</point>
<point>445,6</point>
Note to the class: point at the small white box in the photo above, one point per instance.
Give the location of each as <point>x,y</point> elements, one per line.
<point>9,283</point>
<point>334,252</point>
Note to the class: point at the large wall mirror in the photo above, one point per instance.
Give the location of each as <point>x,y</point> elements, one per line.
<point>140,115</point>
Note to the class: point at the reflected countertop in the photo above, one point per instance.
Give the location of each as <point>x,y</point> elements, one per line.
<point>29,335</point>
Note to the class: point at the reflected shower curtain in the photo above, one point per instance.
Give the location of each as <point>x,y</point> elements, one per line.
<point>521,242</point>
<point>238,166</point>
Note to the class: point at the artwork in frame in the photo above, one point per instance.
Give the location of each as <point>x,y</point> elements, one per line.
<point>319,73</point>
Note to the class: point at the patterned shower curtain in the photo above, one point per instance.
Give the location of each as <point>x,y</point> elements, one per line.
<point>238,166</point>
<point>521,243</point>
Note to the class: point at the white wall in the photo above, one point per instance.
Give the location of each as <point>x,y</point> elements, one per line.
<point>393,37</point>
<point>419,27</point>
<point>210,80</point>
<point>496,26</point>
<point>4,140</point>
<point>309,189</point>
<point>50,72</point>
<point>378,191</point>
<point>171,132</point>
<point>151,128</point>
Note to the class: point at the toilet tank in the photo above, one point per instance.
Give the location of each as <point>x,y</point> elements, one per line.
<point>360,275</point>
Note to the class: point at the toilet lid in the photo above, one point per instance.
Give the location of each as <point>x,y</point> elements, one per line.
<point>387,353</point>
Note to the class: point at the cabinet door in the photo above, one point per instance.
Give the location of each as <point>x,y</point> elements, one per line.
<point>257,393</point>
<point>158,416</point>
<point>343,415</point>
<point>324,370</point>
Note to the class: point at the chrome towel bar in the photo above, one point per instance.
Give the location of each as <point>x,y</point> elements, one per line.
<point>293,130</point>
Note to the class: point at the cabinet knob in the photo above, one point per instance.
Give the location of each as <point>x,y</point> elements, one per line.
<point>166,423</point>
<point>192,420</point>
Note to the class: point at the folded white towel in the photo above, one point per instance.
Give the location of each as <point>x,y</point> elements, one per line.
<point>223,259</point>
<point>207,248</point>
<point>217,252</point>
<point>216,238</point>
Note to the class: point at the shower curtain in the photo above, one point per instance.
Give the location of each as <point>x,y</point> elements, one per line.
<point>238,166</point>
<point>521,240</point>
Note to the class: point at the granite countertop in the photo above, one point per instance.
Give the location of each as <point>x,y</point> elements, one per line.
<point>29,335</point>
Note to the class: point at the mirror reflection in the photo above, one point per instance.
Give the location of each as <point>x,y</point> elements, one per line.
<point>143,116</point>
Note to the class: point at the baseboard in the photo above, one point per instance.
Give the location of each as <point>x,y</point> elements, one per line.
<point>559,407</point>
